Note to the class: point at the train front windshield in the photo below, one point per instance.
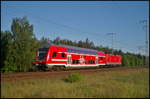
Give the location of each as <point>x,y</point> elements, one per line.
<point>42,53</point>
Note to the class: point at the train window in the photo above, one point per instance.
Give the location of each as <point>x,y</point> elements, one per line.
<point>100,58</point>
<point>42,53</point>
<point>78,61</point>
<point>93,62</point>
<point>89,62</point>
<point>73,61</point>
<point>54,54</point>
<point>62,55</point>
<point>86,62</point>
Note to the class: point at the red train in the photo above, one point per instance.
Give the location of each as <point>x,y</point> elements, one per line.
<point>64,56</point>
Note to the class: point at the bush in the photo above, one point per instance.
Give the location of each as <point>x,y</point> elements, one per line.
<point>74,77</point>
<point>8,69</point>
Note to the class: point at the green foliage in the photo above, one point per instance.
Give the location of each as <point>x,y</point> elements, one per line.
<point>6,42</point>
<point>23,43</point>
<point>18,46</point>
<point>8,69</point>
<point>73,77</point>
<point>129,59</point>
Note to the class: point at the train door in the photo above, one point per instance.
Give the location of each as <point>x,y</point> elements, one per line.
<point>96,59</point>
<point>82,60</point>
<point>69,60</point>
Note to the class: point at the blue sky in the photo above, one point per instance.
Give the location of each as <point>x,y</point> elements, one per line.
<point>78,20</point>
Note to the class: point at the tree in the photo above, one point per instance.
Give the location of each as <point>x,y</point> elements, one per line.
<point>7,51</point>
<point>80,44</point>
<point>57,40</point>
<point>22,49</point>
<point>6,38</point>
<point>45,40</point>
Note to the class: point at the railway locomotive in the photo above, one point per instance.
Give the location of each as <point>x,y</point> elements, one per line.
<point>50,56</point>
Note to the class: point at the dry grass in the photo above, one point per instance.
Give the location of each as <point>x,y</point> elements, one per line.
<point>114,84</point>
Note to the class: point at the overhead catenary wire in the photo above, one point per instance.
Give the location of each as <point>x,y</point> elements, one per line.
<point>78,31</point>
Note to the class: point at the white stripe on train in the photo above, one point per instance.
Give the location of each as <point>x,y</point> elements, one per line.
<point>59,59</point>
<point>69,65</point>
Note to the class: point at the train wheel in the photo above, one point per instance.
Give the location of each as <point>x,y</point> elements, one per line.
<point>100,66</point>
<point>63,68</point>
<point>55,68</point>
<point>58,68</point>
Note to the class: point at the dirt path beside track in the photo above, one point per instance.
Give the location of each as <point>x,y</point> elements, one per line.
<point>48,74</point>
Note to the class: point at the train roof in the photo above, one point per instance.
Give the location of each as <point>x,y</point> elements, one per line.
<point>46,45</point>
<point>73,49</point>
<point>78,48</point>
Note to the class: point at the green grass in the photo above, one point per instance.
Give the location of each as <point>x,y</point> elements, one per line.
<point>114,84</point>
<point>73,77</point>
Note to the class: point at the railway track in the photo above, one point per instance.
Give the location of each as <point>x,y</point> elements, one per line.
<point>48,74</point>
